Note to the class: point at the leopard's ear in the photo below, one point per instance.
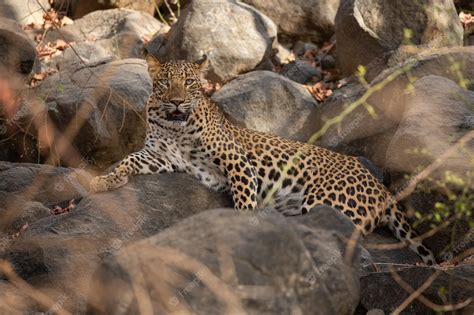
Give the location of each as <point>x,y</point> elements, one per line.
<point>202,64</point>
<point>153,63</point>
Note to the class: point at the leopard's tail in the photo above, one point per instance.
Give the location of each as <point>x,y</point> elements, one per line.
<point>400,227</point>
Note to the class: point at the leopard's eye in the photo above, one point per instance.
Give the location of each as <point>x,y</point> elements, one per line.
<point>163,82</point>
<point>189,81</point>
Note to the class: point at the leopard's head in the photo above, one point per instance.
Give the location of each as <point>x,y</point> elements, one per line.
<point>177,87</point>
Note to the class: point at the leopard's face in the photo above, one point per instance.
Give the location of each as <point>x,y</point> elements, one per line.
<point>177,87</point>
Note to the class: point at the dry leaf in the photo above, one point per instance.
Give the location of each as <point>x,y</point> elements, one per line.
<point>466,19</point>
<point>38,77</point>
<point>320,91</point>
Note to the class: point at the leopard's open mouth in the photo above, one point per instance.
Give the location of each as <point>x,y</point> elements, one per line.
<point>177,116</point>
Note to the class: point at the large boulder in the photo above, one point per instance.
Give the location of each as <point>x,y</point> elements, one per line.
<point>268,102</point>
<point>25,11</point>
<point>17,51</point>
<point>302,19</point>
<point>26,190</point>
<point>104,104</point>
<point>236,37</point>
<point>434,120</point>
<point>102,96</point>
<point>59,253</point>
<point>370,31</point>
<point>360,133</point>
<point>221,261</point>
<point>106,35</point>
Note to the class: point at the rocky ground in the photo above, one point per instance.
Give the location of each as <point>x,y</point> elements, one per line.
<point>389,81</point>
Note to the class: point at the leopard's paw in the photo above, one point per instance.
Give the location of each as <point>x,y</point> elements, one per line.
<point>99,184</point>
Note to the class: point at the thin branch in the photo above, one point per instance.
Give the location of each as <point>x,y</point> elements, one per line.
<point>433,166</point>
<point>420,238</point>
<point>417,294</point>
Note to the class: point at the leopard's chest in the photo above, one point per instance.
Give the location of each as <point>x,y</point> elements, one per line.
<point>195,159</point>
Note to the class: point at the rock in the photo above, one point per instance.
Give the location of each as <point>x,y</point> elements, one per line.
<point>372,30</point>
<point>300,47</point>
<point>58,254</point>
<point>430,127</point>
<point>25,215</point>
<point>268,102</point>
<point>373,258</point>
<point>457,281</point>
<point>306,20</point>
<point>25,182</point>
<point>106,35</point>
<point>236,38</point>
<point>25,11</point>
<point>359,133</point>
<point>220,262</point>
<point>78,9</point>
<point>107,104</point>
<point>107,97</point>
<point>328,62</point>
<point>300,71</point>
<point>283,54</point>
<point>17,51</point>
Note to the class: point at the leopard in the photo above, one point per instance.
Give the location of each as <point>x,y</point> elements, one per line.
<point>187,132</point>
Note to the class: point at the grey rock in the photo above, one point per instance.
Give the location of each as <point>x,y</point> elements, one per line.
<point>359,133</point>
<point>375,257</point>
<point>328,62</point>
<point>300,47</point>
<point>430,126</point>
<point>368,30</point>
<point>106,24</point>
<point>60,253</point>
<point>458,280</point>
<point>468,122</point>
<point>283,54</point>
<point>77,9</point>
<point>228,263</point>
<point>106,100</point>
<point>268,102</point>
<point>300,71</point>
<point>45,184</point>
<point>106,35</point>
<point>25,11</point>
<point>301,19</point>
<point>28,213</point>
<point>17,51</point>
<point>236,38</point>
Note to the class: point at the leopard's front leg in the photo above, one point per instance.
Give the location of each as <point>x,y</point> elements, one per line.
<point>142,162</point>
<point>242,180</point>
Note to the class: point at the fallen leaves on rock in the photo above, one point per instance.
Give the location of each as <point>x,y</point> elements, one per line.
<point>321,90</point>
<point>320,87</point>
<point>38,77</point>
<point>51,18</point>
<point>52,49</point>
<point>466,19</point>
<point>60,210</point>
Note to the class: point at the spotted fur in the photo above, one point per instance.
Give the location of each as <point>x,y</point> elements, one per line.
<point>186,132</point>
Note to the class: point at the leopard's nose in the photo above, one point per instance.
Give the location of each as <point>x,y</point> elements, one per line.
<point>177,101</point>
